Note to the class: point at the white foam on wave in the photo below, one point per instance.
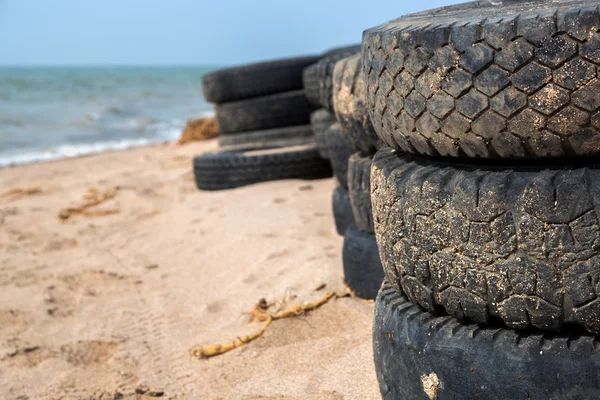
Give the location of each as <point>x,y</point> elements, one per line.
<point>75,150</point>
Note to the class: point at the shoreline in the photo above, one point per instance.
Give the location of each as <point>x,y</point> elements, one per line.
<point>123,145</point>
<point>113,301</point>
<point>94,153</point>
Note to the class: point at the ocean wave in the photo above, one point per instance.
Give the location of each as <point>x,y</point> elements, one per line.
<point>75,150</point>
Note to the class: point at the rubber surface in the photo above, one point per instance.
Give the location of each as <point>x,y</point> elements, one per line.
<point>293,135</point>
<point>359,187</point>
<point>273,111</point>
<point>350,104</point>
<point>421,357</point>
<point>342,210</point>
<point>254,80</point>
<point>321,120</point>
<point>362,267</point>
<point>317,78</point>
<point>234,168</point>
<point>339,151</point>
<point>519,244</point>
<point>488,79</point>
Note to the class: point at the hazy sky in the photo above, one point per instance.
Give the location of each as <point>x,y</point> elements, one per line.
<point>141,32</point>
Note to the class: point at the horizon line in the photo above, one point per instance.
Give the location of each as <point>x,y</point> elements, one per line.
<point>106,65</point>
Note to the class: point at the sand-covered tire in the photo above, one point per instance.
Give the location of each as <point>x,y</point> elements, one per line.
<point>255,80</point>
<point>521,244</point>
<point>359,187</point>
<point>290,136</point>
<point>339,151</point>
<point>362,267</point>
<point>321,120</point>
<point>420,357</point>
<point>342,210</point>
<point>350,105</point>
<point>267,112</point>
<point>490,79</point>
<point>317,78</point>
<point>240,167</point>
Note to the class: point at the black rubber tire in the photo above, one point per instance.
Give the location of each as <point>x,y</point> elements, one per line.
<point>350,104</point>
<point>359,187</point>
<point>362,267</point>
<point>521,244</point>
<point>235,168</point>
<point>317,78</point>
<point>490,79</point>
<point>292,135</point>
<point>260,113</point>
<point>342,210</point>
<point>254,80</point>
<point>339,151</point>
<point>421,357</point>
<point>321,120</point>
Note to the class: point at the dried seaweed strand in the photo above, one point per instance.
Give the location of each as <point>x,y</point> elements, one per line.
<point>259,313</point>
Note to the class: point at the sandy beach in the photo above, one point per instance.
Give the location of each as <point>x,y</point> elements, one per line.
<point>96,306</point>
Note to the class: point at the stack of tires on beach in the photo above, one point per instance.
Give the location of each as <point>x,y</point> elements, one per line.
<point>486,203</point>
<point>345,136</point>
<point>264,121</point>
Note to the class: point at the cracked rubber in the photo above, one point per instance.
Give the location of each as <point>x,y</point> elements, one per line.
<point>260,113</point>
<point>293,135</point>
<point>359,187</point>
<point>317,78</point>
<point>235,168</point>
<point>321,120</point>
<point>519,244</point>
<point>362,267</point>
<point>414,350</point>
<point>490,79</point>
<point>350,104</point>
<point>339,151</point>
<point>342,210</point>
<point>254,80</point>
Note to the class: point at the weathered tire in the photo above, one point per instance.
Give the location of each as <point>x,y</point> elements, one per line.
<point>489,79</point>
<point>521,244</point>
<point>254,80</point>
<point>321,120</point>
<point>359,187</point>
<point>342,210</point>
<point>350,105</point>
<point>317,78</point>
<point>292,136</point>
<point>339,151</point>
<point>260,113</point>
<point>419,357</point>
<point>362,267</point>
<point>234,168</point>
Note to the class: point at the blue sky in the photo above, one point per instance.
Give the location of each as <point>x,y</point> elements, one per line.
<point>218,32</point>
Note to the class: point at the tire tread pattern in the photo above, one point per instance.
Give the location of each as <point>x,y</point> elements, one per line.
<point>505,80</point>
<point>519,244</point>
<point>261,113</point>
<point>470,361</point>
<point>350,105</point>
<point>231,169</point>
<point>255,80</point>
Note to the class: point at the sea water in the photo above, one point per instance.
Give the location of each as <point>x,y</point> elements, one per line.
<point>58,112</point>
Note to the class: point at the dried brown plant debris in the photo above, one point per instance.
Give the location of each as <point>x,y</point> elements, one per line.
<point>260,313</point>
<point>92,198</point>
<point>17,193</point>
<point>199,129</point>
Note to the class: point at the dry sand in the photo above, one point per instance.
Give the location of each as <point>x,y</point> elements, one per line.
<point>96,305</point>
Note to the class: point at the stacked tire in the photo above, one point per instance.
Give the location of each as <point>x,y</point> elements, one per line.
<point>264,119</point>
<point>350,143</point>
<point>318,84</point>
<point>486,204</point>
